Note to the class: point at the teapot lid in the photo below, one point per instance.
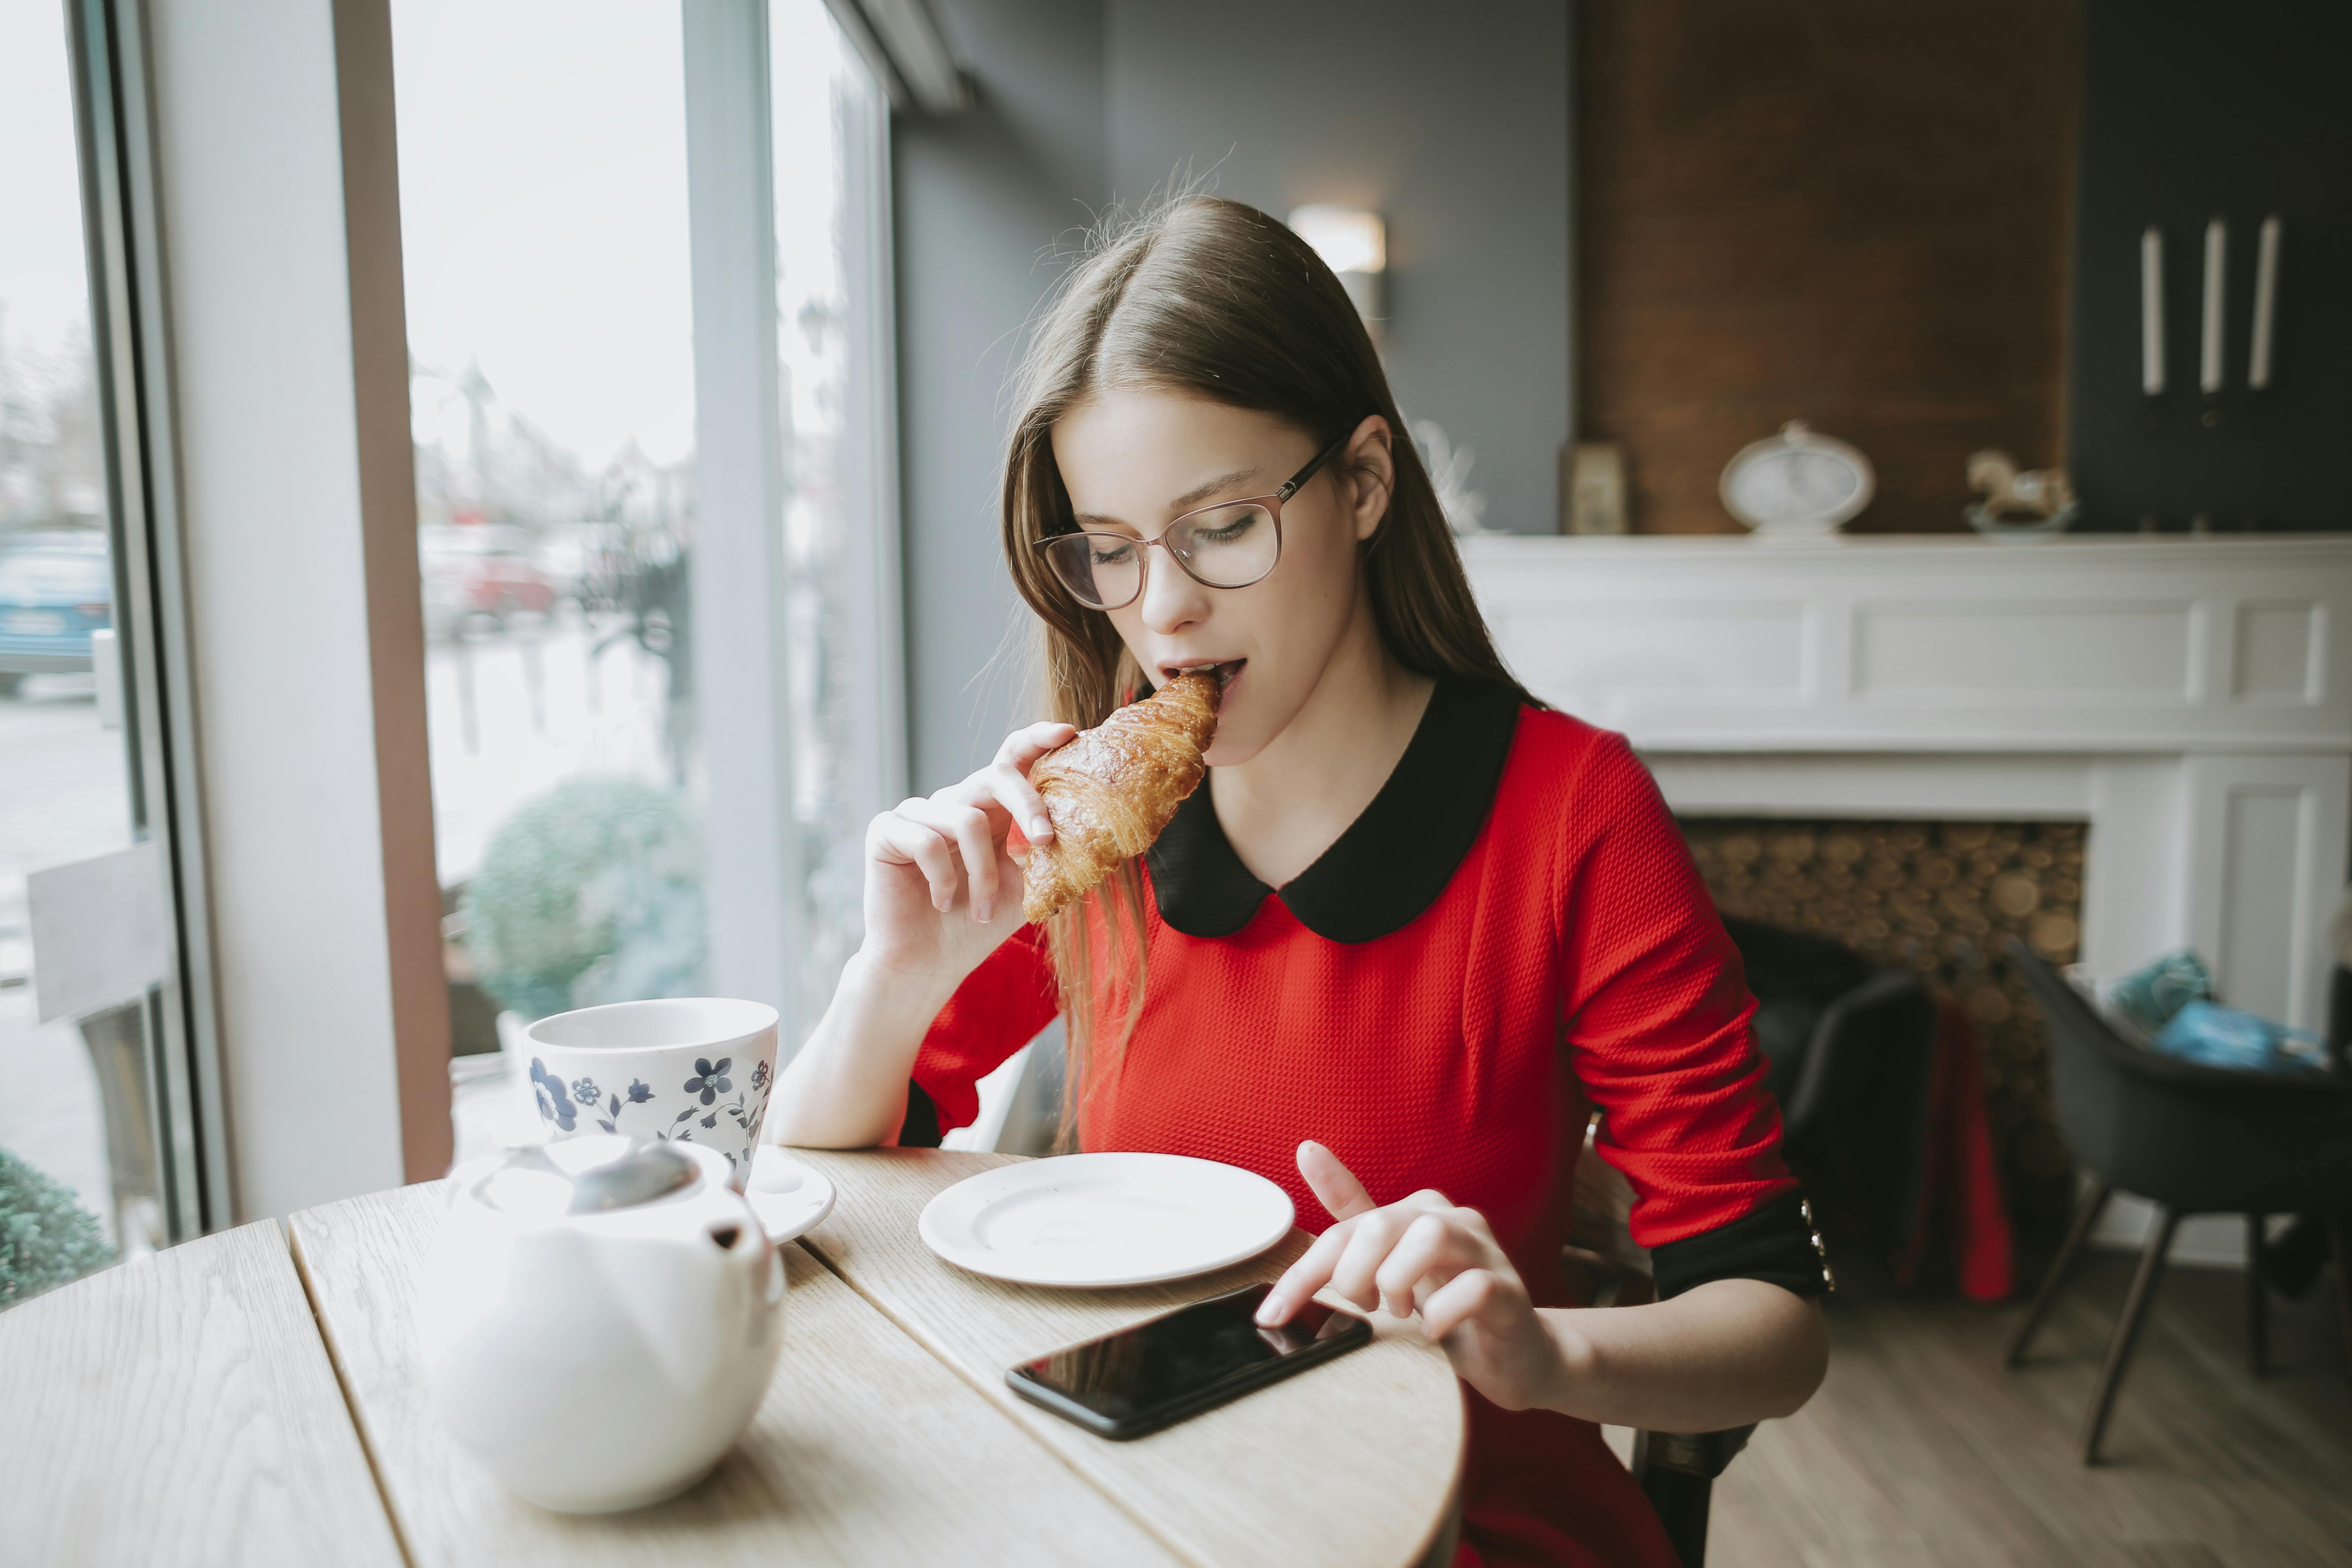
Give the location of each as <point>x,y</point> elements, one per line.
<point>596,1174</point>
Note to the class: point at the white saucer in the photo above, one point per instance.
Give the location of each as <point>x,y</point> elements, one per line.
<point>1099,1220</point>
<point>790,1198</point>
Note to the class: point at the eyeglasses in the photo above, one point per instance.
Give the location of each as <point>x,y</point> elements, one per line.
<point>1229,546</point>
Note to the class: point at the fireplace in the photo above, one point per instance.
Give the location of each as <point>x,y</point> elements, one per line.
<point>2183,704</point>
<point>1942,900</point>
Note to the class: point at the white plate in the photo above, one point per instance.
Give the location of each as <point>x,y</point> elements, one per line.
<point>1099,1220</point>
<point>790,1198</point>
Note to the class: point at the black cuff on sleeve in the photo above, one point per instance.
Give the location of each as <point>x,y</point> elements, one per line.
<point>921,1128</point>
<point>1775,1244</point>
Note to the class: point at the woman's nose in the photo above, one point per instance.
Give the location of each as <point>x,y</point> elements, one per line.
<point>1171,600</point>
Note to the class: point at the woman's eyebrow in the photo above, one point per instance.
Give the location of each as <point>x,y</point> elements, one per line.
<point>1184,502</point>
<point>1208,488</point>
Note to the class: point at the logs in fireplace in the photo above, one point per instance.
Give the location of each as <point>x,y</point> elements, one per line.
<point>1940,899</point>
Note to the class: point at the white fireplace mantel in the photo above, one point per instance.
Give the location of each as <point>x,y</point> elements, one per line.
<point>2190,699</point>
<point>1913,644</point>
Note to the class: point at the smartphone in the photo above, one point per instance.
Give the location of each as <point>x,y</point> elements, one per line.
<point>1163,1370</point>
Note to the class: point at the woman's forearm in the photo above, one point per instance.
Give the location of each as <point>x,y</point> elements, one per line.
<point>1727,1354</point>
<point>847,1087</point>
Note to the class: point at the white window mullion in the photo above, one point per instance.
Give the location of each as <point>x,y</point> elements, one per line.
<point>754,877</point>
<point>877,598</point>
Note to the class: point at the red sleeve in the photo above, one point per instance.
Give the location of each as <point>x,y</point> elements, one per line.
<point>998,1009</point>
<point>1656,1010</point>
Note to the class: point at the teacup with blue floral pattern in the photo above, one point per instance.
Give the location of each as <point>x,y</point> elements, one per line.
<point>697,1069</point>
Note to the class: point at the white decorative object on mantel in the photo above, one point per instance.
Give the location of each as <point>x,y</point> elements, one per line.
<point>2191,700</point>
<point>1799,484</point>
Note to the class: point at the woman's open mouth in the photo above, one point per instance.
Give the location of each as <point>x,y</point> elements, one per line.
<point>1226,674</point>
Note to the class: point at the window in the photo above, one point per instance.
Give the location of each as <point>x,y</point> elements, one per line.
<point>662,669</point>
<point>99,1158</point>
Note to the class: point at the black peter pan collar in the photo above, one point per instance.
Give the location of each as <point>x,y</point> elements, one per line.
<point>1391,862</point>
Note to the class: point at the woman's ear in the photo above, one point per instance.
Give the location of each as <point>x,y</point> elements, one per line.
<point>1368,475</point>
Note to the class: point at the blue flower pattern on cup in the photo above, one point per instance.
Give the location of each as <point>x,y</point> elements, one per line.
<point>711,1081</point>
<point>554,1104</point>
<point>639,1093</point>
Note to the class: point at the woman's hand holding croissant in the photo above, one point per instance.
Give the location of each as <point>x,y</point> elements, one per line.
<point>942,889</point>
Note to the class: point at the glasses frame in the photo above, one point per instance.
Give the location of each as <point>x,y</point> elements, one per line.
<point>1272,504</point>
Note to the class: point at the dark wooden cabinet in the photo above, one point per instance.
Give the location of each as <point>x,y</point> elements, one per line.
<point>2193,112</point>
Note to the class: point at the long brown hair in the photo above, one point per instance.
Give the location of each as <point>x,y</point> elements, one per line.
<point>1206,297</point>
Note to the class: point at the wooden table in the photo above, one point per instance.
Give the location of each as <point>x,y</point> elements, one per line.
<point>255,1397</point>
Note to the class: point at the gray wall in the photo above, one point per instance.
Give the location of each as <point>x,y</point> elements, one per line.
<point>981,202</point>
<point>1454,123</point>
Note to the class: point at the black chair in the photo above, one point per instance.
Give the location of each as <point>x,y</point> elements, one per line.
<point>1855,1121</point>
<point>2190,1140</point>
<point>1675,1470</point>
<point>1849,1050</point>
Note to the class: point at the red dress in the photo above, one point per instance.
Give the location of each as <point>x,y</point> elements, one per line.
<point>1509,937</point>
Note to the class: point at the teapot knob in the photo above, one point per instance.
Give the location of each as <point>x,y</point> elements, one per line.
<point>646,1172</point>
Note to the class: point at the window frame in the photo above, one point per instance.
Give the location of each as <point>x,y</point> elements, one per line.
<point>129,339</point>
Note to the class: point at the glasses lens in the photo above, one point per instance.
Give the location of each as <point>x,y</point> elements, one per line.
<point>1229,547</point>
<point>1102,570</point>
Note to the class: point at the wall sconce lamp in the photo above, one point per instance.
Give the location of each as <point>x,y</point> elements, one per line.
<point>1353,243</point>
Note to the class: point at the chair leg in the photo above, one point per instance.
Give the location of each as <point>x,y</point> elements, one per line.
<point>2128,1327</point>
<point>2258,1325</point>
<point>2339,1235</point>
<point>1681,1502</point>
<point>2070,1252</point>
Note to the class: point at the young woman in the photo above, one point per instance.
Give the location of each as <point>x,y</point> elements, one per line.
<point>1411,931</point>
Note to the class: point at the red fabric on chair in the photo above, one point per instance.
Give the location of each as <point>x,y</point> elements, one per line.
<point>1962,1179</point>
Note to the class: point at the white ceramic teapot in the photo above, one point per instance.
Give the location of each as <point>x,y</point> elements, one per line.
<point>599,1319</point>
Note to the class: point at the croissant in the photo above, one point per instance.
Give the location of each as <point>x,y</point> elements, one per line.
<point>1110,792</point>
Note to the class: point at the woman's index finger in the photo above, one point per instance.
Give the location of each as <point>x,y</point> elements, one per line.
<point>1023,747</point>
<point>1335,1186</point>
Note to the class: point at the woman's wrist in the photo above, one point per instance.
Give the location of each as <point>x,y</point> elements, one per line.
<point>877,991</point>
<point>844,1088</point>
<point>1726,1353</point>
<point>1580,1367</point>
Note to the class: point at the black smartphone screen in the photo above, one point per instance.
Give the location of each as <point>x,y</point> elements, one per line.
<point>1163,1370</point>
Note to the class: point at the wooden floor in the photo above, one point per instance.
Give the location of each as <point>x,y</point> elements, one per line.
<point>1921,1449</point>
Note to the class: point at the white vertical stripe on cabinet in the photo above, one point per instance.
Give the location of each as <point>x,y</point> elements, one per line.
<point>2258,364</point>
<point>2217,246</point>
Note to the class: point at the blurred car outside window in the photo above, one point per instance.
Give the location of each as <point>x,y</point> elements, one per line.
<point>57,589</point>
